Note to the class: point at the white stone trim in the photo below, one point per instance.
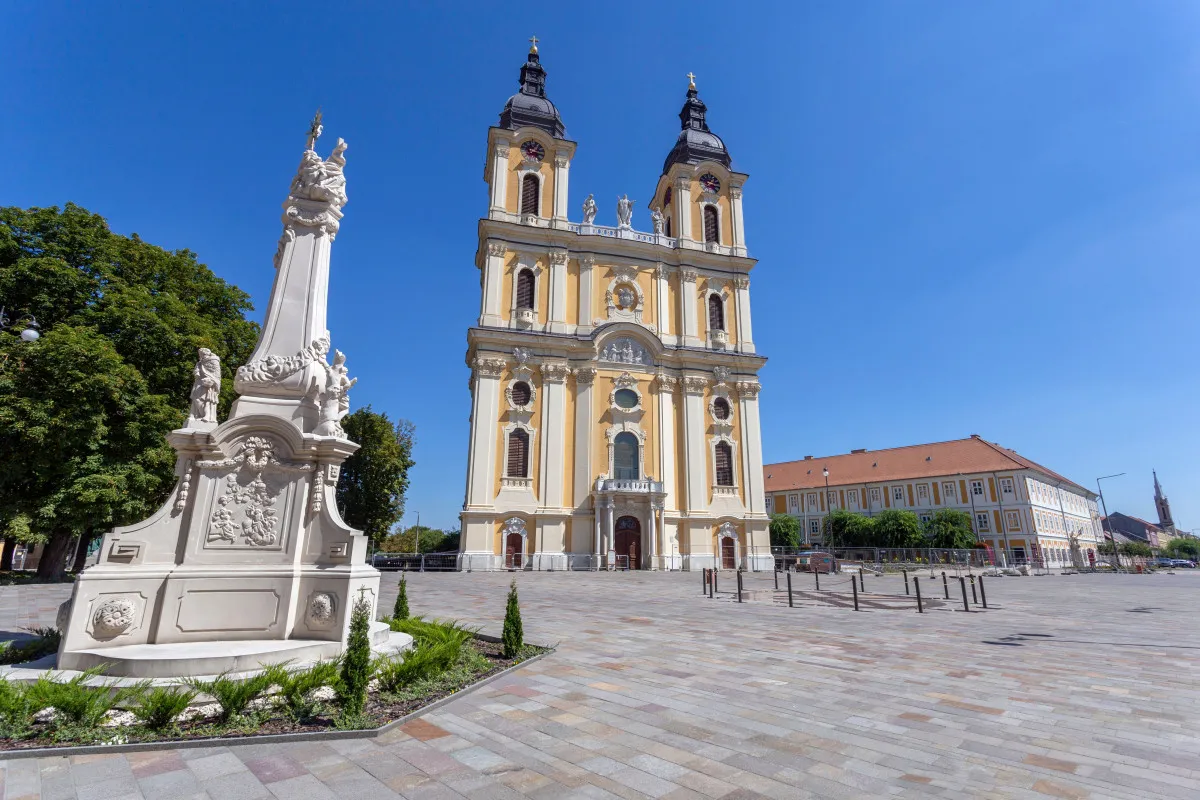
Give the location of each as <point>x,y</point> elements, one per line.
<point>614,313</point>
<point>625,381</point>
<point>530,168</point>
<point>733,462</point>
<point>626,426</point>
<point>523,320</point>
<point>726,530</point>
<point>515,482</point>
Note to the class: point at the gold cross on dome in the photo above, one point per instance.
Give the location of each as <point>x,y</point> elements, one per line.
<point>533,40</point>
<point>691,80</point>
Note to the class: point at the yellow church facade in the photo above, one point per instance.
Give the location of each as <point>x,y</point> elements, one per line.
<point>614,379</point>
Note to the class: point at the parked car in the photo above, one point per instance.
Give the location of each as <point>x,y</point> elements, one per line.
<point>1183,562</point>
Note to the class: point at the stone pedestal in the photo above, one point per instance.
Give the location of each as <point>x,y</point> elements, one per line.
<point>248,559</point>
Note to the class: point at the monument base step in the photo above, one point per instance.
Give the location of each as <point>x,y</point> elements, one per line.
<point>195,659</point>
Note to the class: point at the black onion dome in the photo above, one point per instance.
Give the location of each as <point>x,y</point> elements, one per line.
<point>696,142</point>
<point>530,107</point>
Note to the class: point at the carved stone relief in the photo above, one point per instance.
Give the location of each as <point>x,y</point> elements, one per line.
<point>625,351</point>
<point>322,606</point>
<point>113,617</point>
<point>247,506</point>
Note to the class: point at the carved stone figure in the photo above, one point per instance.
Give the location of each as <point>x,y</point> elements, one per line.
<point>335,397</point>
<point>589,210</point>
<point>624,212</point>
<point>320,610</point>
<point>625,297</point>
<point>322,180</point>
<point>659,222</point>
<point>206,388</point>
<point>624,351</point>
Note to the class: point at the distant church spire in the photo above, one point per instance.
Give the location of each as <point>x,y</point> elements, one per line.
<point>1164,507</point>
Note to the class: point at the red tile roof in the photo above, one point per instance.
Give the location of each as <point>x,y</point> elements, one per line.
<point>959,456</point>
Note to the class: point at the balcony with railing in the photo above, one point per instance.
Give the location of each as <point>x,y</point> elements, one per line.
<point>629,486</point>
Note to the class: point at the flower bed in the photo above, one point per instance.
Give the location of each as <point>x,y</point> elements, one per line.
<point>445,659</point>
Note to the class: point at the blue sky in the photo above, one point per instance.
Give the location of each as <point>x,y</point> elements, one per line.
<point>969,217</point>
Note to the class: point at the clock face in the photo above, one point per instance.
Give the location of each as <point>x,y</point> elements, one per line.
<point>533,151</point>
<point>710,183</point>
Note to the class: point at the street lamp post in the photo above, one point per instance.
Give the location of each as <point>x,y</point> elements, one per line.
<point>828,508</point>
<point>1112,534</point>
<point>28,325</point>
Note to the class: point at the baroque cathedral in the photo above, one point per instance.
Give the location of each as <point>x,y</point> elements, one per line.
<point>614,383</point>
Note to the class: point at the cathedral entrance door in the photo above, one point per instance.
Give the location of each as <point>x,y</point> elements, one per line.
<point>627,544</point>
<point>513,553</point>
<point>728,553</point>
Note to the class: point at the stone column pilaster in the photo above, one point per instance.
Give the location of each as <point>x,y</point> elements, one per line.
<point>493,284</point>
<point>741,296</point>
<point>667,385</point>
<point>756,501</point>
<point>584,476</point>
<point>662,297</point>
<point>586,279</point>
<point>557,322</point>
<point>554,423</point>
<point>499,176</point>
<point>695,452</point>
<point>562,166</point>
<point>739,226</point>
<point>683,207</point>
<point>485,410</point>
<point>688,299</point>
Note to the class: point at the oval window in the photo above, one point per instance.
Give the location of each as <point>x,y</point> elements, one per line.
<point>721,408</point>
<point>521,393</point>
<point>626,398</point>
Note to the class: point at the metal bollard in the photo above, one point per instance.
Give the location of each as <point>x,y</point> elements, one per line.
<point>917,586</point>
<point>789,585</point>
<point>906,580</point>
<point>982,593</point>
<point>974,596</point>
<point>711,583</point>
<point>861,585</point>
<point>945,585</point>
<point>739,579</point>
<point>854,587</point>
<point>817,576</point>
<point>704,581</point>
<point>777,579</point>
<point>714,583</point>
<point>422,562</point>
<point>963,583</point>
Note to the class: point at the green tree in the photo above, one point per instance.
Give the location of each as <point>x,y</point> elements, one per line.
<point>785,531</point>
<point>950,528</point>
<point>356,661</point>
<point>1184,547</point>
<point>370,490</point>
<point>414,539</point>
<point>84,410</point>
<point>897,528</point>
<point>513,633</point>
<point>1136,549</point>
<point>400,610</point>
<point>847,529</point>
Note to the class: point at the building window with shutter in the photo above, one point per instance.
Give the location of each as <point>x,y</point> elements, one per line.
<point>525,288</point>
<point>711,227</point>
<point>522,393</point>
<point>716,313</point>
<point>518,454</point>
<point>530,189</point>
<point>724,465</point>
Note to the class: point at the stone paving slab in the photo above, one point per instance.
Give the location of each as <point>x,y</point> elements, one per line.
<point>1079,686</point>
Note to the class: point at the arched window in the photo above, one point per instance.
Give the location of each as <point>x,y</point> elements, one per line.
<point>724,465</point>
<point>716,313</point>
<point>711,229</point>
<point>525,288</point>
<point>518,454</point>
<point>530,189</point>
<point>625,456</point>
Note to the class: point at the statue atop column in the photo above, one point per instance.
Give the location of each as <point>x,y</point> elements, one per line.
<point>589,210</point>
<point>659,222</point>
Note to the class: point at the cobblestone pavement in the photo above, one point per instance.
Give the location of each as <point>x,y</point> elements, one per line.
<point>1069,687</point>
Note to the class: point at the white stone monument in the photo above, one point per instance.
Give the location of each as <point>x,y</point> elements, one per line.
<point>248,562</point>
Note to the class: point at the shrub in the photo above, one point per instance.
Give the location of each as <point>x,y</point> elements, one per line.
<point>513,634</point>
<point>17,707</point>
<point>296,689</point>
<point>44,645</point>
<point>421,662</point>
<point>158,706</point>
<point>400,611</point>
<point>433,632</point>
<point>77,703</point>
<point>356,662</point>
<point>233,695</point>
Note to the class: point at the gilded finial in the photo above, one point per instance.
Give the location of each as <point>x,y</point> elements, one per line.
<point>533,40</point>
<point>691,80</point>
<point>314,130</point>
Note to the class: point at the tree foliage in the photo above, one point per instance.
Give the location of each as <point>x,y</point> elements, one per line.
<point>356,661</point>
<point>1135,549</point>
<point>513,633</point>
<point>420,539</point>
<point>847,529</point>
<point>785,531</point>
<point>898,528</point>
<point>1184,547</point>
<point>370,490</point>
<point>84,410</point>
<point>950,528</point>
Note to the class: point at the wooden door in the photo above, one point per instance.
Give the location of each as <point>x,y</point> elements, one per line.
<point>728,553</point>
<point>627,541</point>
<point>513,554</point>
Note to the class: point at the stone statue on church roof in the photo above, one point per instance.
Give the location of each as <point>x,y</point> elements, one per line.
<point>624,212</point>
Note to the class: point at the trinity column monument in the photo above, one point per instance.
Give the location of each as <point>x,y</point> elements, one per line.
<point>248,562</point>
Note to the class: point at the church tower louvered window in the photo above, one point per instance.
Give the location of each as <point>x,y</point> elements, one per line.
<point>525,289</point>
<point>711,229</point>
<point>530,188</point>
<point>724,465</point>
<point>518,454</point>
<point>716,313</point>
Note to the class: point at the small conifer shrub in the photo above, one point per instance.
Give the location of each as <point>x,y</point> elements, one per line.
<point>400,611</point>
<point>513,635</point>
<point>356,661</point>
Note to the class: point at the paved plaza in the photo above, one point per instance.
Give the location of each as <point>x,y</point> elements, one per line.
<point>1069,687</point>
